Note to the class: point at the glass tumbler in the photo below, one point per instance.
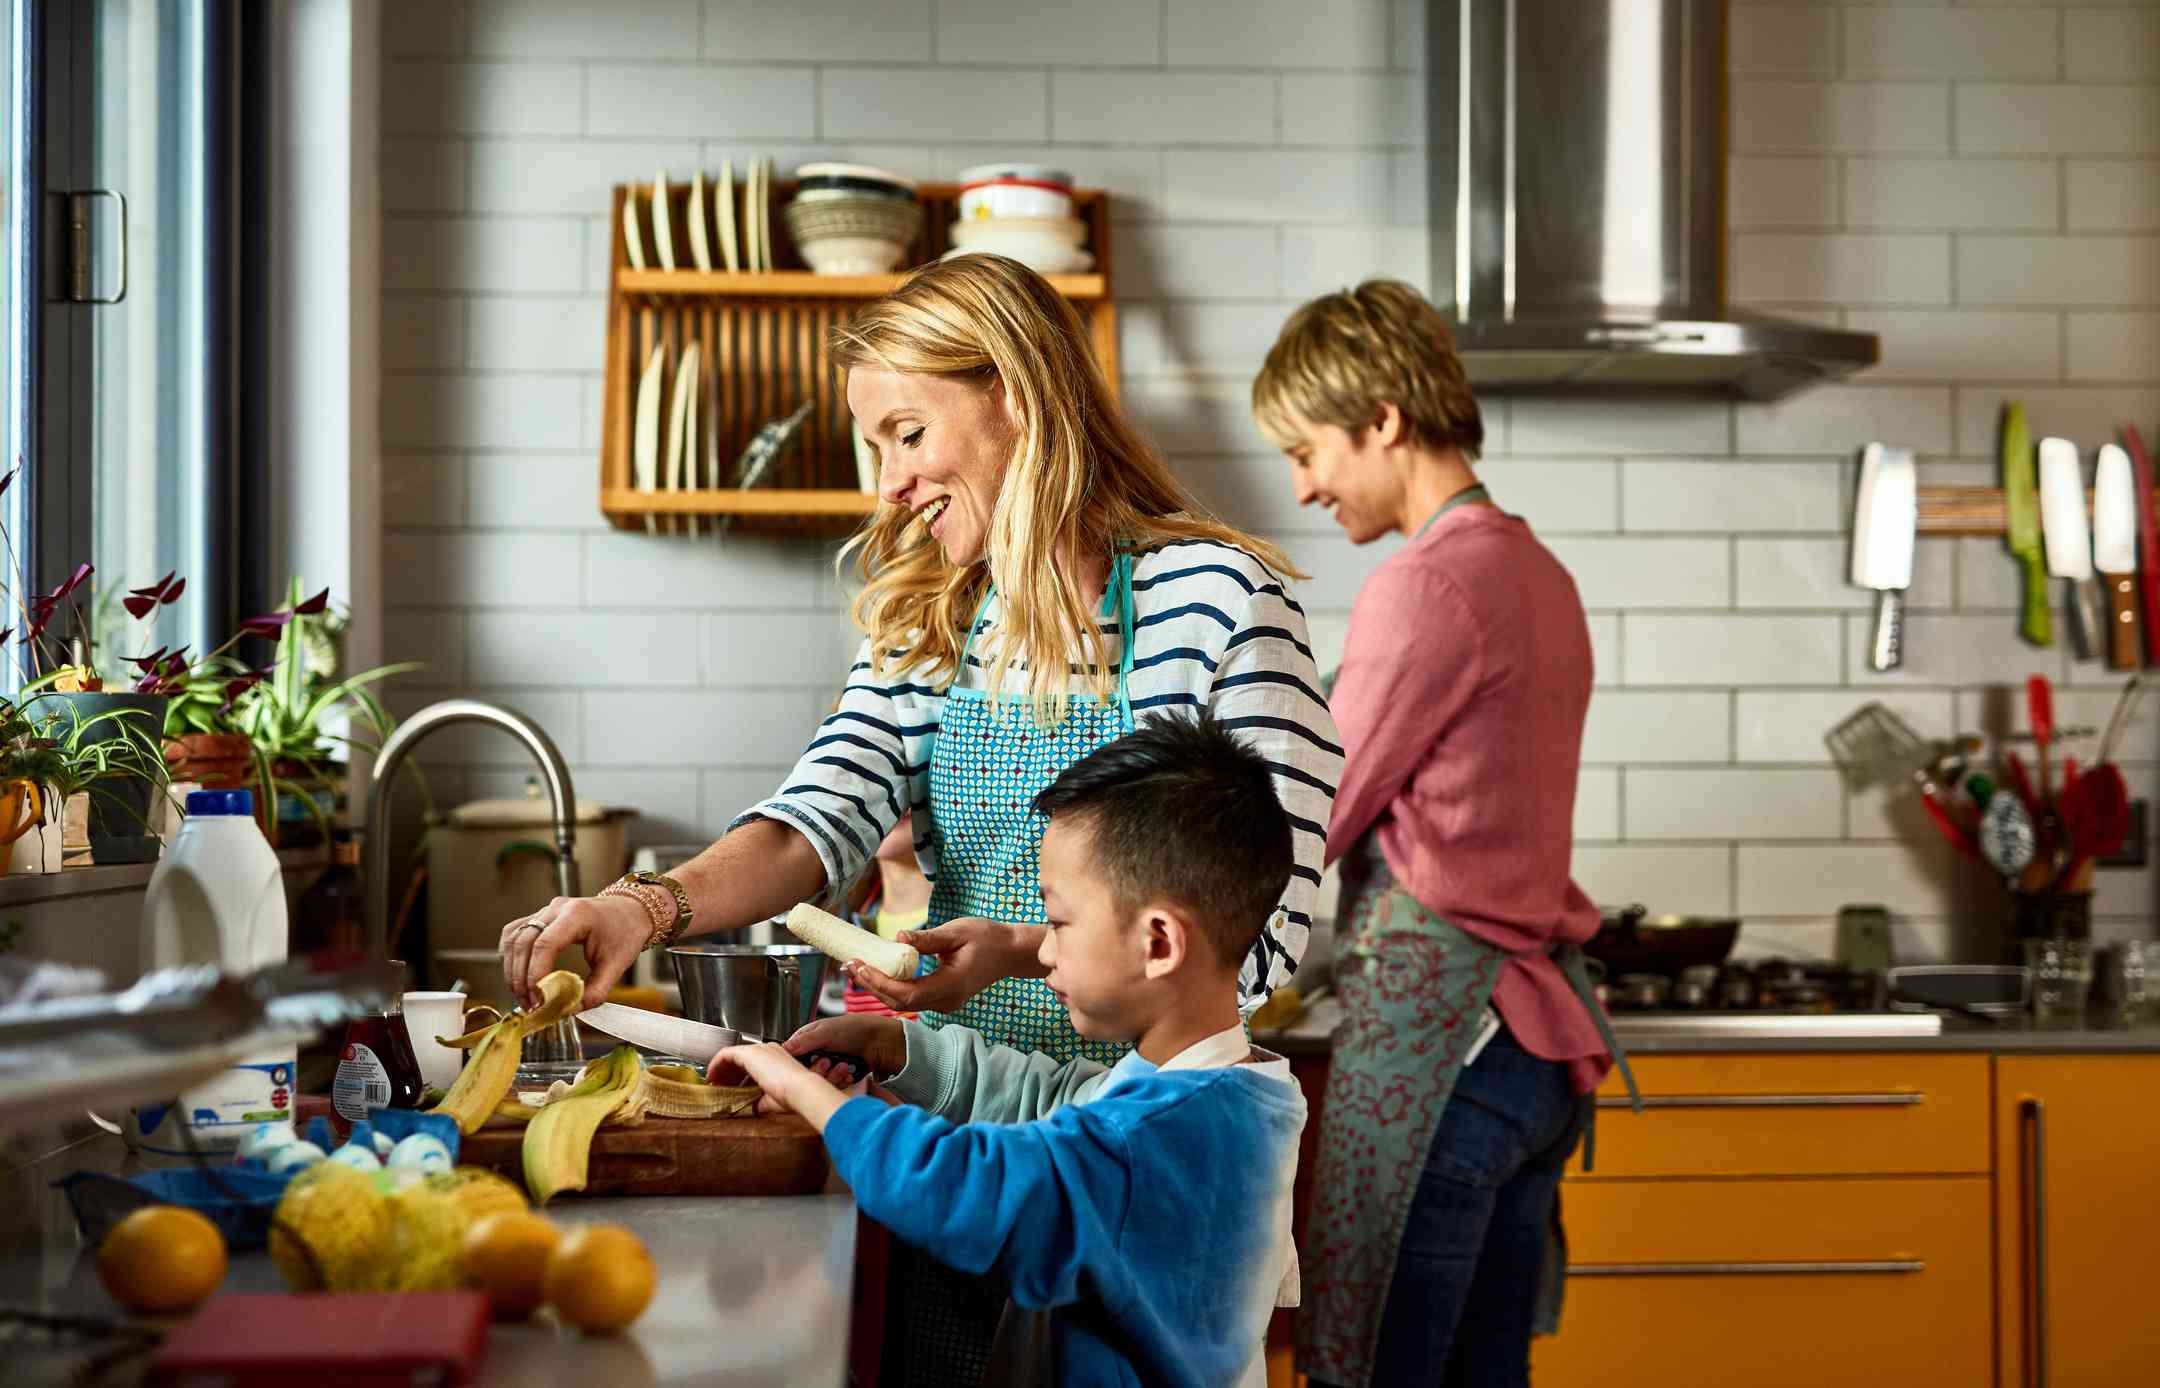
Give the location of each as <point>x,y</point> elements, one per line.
<point>2133,979</point>
<point>2061,980</point>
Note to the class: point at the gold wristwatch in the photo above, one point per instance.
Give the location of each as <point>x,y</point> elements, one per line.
<point>664,900</point>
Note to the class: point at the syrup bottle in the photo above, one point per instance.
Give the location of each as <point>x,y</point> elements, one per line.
<point>376,1067</point>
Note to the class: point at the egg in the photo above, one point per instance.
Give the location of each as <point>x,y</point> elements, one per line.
<point>265,1138</point>
<point>420,1152</point>
<point>357,1157</point>
<point>294,1156</point>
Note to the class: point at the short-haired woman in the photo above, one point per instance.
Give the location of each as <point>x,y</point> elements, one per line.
<point>1035,582</point>
<point>1464,682</point>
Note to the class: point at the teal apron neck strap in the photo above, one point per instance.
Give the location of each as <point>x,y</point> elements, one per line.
<point>1474,492</point>
<point>1117,594</point>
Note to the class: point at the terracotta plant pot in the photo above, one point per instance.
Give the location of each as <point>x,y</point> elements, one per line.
<point>215,761</point>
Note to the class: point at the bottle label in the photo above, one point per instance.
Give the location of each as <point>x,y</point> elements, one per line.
<point>362,1083</point>
<point>218,1112</point>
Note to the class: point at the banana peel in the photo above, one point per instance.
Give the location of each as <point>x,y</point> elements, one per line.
<point>489,1071</point>
<point>677,1091</point>
<point>558,1141</point>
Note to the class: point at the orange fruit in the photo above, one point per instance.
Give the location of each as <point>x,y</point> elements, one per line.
<point>162,1260</point>
<point>506,1256</point>
<point>600,1278</point>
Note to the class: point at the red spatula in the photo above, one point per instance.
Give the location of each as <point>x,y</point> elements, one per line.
<point>2095,818</point>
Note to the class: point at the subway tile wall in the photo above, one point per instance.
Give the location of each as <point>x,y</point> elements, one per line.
<point>1978,183</point>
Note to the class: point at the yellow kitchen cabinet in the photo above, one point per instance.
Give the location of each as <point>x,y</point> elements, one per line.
<point>1773,1283</point>
<point>2077,1139</point>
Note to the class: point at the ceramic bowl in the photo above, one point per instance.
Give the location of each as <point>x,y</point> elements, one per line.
<point>1002,198</point>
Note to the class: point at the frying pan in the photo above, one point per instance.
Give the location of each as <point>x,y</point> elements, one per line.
<point>1632,941</point>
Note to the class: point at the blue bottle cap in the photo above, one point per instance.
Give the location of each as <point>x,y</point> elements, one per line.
<point>221,802</point>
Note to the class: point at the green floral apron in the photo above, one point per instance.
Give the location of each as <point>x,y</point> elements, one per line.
<point>989,761</point>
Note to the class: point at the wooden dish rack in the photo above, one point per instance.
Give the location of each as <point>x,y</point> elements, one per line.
<point>762,353</point>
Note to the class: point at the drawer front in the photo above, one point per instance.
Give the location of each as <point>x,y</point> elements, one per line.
<point>1774,1283</point>
<point>1796,1115</point>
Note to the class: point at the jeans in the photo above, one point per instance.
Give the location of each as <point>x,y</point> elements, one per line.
<point>1467,1275</point>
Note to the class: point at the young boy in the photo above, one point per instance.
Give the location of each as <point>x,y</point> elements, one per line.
<point>1140,1214</point>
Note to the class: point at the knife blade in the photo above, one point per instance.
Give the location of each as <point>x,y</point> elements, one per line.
<point>2148,538</point>
<point>2022,506</point>
<point>1885,515</point>
<point>2067,529</point>
<point>694,1041</point>
<point>2115,552</point>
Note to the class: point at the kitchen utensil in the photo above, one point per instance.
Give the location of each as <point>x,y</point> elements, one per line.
<point>1876,747</point>
<point>663,226</point>
<point>1631,941</point>
<point>633,240</point>
<point>767,1154</point>
<point>645,438</point>
<point>2095,816</point>
<point>553,1052</point>
<point>2114,522</point>
<point>2061,980</point>
<point>280,1338</point>
<point>761,991</point>
<point>656,1031</point>
<point>427,1016</point>
<point>2040,710</point>
<point>724,206</point>
<point>856,235</point>
<point>2068,532</point>
<point>2021,507</point>
<point>2022,783</point>
<point>1885,514</point>
<point>2006,832</point>
<point>1998,989</point>
<point>700,236</point>
<point>2125,705</point>
<point>2148,538</point>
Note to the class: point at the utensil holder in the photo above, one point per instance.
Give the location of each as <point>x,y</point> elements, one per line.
<point>2049,916</point>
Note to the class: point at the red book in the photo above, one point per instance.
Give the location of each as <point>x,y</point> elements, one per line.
<point>344,1338</point>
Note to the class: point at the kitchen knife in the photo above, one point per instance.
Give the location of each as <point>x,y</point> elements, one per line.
<point>2068,532</point>
<point>2022,507</point>
<point>2115,552</point>
<point>2148,539</point>
<point>1885,515</point>
<point>656,1031</point>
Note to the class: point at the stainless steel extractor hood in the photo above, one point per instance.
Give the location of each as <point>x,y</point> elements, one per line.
<point>1578,205</point>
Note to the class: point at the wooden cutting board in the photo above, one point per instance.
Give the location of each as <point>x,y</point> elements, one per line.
<point>773,1154</point>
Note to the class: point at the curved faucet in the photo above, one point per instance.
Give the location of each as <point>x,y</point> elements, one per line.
<point>374,847</point>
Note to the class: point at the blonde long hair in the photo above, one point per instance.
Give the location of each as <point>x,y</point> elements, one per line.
<point>1079,474</point>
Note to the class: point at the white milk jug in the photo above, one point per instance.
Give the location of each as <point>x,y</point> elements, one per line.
<point>217,897</point>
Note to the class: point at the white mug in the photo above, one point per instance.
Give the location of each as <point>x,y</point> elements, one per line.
<point>427,1016</point>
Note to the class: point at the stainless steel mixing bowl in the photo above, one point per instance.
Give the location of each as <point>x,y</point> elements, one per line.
<point>764,992</point>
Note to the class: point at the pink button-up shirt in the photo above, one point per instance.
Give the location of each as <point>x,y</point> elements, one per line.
<point>1460,700</point>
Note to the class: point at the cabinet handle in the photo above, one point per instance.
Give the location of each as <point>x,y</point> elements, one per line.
<point>1890,1265</point>
<point>2032,1118</point>
<point>1765,1101</point>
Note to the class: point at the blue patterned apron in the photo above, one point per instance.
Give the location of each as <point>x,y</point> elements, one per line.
<point>987,765</point>
<point>989,761</point>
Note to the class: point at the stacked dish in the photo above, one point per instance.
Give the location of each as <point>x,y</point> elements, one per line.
<point>1024,211</point>
<point>851,219</point>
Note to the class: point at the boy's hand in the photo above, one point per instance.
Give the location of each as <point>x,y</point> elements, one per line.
<point>972,954</point>
<point>880,1041</point>
<point>783,1078</point>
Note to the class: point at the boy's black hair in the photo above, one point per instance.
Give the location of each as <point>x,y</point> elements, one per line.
<point>1183,811</point>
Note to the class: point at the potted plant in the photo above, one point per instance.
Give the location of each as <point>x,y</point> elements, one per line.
<point>281,719</point>
<point>102,732</point>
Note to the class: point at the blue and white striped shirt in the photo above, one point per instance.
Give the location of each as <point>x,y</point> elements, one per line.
<point>1213,628</point>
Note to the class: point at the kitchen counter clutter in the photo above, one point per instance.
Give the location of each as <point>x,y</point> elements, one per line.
<point>751,1290</point>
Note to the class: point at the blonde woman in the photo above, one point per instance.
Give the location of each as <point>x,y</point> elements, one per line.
<point>1035,583</point>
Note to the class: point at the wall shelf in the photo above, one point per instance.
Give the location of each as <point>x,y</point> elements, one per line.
<point>761,341</point>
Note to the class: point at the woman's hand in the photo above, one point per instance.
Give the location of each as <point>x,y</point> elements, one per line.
<point>972,954</point>
<point>612,929</point>
<point>784,1079</point>
<point>881,1042</point>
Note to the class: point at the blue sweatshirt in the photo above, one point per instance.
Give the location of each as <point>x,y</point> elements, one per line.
<point>1140,1208</point>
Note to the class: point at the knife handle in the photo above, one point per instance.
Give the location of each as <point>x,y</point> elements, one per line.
<point>2037,624</point>
<point>2122,643</point>
<point>1887,650</point>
